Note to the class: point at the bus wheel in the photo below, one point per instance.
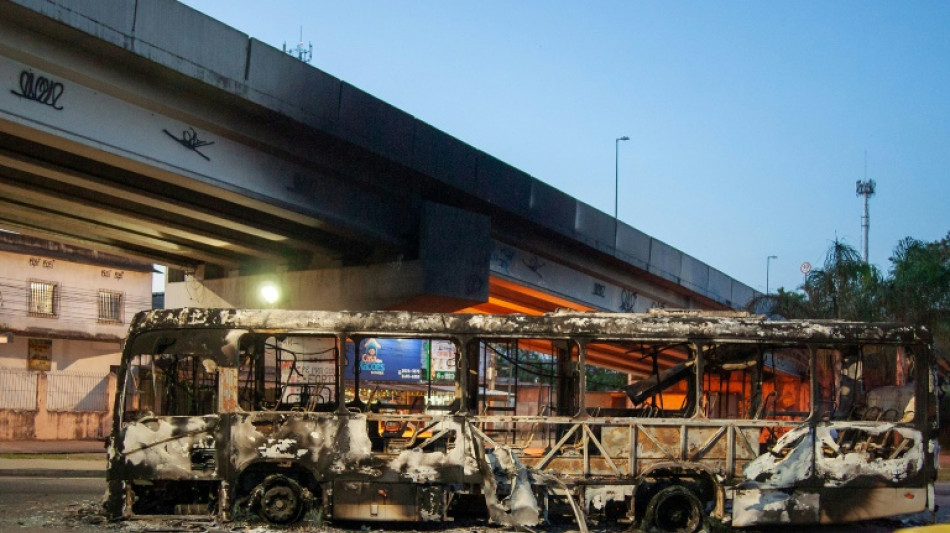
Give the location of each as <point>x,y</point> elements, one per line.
<point>674,509</point>
<point>282,500</point>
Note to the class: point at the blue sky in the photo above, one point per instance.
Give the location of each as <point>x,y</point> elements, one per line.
<point>748,121</point>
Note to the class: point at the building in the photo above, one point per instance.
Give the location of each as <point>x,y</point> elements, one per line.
<point>64,312</point>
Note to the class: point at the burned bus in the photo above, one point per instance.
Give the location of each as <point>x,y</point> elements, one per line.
<point>665,419</point>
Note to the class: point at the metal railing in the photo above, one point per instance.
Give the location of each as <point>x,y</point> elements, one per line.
<point>67,391</point>
<point>18,389</point>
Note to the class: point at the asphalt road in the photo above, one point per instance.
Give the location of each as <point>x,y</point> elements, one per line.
<point>50,505</point>
<point>71,505</point>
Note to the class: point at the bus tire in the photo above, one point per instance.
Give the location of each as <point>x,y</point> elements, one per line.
<point>282,500</point>
<point>675,509</point>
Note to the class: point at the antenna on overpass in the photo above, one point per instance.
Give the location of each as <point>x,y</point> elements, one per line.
<point>301,53</point>
<point>866,189</point>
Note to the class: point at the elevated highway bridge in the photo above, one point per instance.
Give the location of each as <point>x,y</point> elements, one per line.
<point>148,129</point>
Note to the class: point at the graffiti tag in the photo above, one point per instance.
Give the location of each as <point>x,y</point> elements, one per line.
<point>40,89</point>
<point>189,139</point>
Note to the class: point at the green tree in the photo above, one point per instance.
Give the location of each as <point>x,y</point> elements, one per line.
<point>782,304</point>
<point>845,287</point>
<point>919,286</point>
<point>919,289</point>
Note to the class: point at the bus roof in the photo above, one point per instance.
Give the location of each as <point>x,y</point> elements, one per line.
<point>663,325</point>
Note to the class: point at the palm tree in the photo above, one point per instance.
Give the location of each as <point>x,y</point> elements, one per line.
<point>846,287</point>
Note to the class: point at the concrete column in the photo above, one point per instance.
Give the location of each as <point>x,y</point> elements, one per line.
<point>112,381</point>
<point>43,428</point>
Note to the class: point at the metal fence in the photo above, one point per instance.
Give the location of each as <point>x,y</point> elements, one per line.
<point>67,391</point>
<point>18,389</point>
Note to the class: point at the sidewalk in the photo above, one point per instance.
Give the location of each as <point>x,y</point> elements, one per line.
<point>60,458</point>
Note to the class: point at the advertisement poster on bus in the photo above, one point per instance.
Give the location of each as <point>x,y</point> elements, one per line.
<point>443,360</point>
<point>387,359</point>
<point>382,359</point>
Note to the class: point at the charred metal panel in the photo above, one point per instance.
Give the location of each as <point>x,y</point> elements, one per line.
<point>392,502</point>
<point>887,453</point>
<point>745,448</point>
<point>169,448</point>
<point>574,464</point>
<point>363,500</point>
<point>616,440</point>
<point>859,458</point>
<point>657,326</point>
<point>856,504</point>
<point>771,506</point>
<point>322,444</point>
<point>708,445</point>
<point>659,443</point>
<point>505,474</point>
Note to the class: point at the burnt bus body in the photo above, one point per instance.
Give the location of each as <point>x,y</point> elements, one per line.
<point>247,414</point>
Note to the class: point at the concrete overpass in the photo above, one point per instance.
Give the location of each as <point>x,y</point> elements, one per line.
<point>148,129</point>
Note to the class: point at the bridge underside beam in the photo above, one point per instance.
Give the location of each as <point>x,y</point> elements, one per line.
<point>65,197</point>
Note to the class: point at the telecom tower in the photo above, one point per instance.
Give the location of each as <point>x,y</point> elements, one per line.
<point>301,53</point>
<point>866,189</point>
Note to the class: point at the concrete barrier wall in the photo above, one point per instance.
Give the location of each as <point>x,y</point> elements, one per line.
<point>42,424</point>
<point>33,425</point>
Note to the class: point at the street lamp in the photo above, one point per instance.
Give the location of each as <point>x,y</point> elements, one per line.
<point>617,172</point>
<point>768,261</point>
<point>269,293</point>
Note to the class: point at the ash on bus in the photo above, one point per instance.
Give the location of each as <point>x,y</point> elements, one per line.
<point>662,419</point>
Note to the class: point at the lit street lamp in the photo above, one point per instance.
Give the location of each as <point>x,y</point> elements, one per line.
<point>768,261</point>
<point>269,293</point>
<point>617,172</point>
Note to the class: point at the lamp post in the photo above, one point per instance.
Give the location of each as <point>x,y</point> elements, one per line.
<point>617,172</point>
<point>768,264</point>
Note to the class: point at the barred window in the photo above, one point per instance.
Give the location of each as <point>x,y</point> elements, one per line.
<point>110,306</point>
<point>43,299</point>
